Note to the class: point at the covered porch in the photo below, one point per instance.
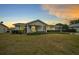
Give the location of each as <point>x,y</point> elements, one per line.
<point>35,28</point>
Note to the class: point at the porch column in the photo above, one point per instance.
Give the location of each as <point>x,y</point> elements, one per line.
<point>28,29</point>
<point>45,29</point>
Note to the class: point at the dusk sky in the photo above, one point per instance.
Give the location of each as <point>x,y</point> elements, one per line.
<point>50,14</point>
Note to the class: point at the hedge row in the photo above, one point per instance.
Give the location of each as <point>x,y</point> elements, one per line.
<point>67,30</point>
<point>49,31</point>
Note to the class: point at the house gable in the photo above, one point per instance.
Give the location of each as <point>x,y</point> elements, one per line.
<point>37,22</point>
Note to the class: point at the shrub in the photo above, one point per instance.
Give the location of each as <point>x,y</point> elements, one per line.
<point>50,30</point>
<point>17,31</point>
<point>69,30</point>
<point>8,31</point>
<point>37,33</point>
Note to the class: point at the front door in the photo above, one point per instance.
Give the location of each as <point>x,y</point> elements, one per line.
<point>33,28</point>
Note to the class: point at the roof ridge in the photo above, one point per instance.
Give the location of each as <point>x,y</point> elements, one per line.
<point>4,25</point>
<point>32,22</point>
<point>37,20</point>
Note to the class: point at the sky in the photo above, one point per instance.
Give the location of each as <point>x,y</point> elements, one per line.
<point>49,13</point>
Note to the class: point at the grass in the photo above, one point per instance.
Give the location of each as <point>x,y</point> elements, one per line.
<point>46,44</point>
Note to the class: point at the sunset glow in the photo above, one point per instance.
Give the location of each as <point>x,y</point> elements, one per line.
<point>49,13</point>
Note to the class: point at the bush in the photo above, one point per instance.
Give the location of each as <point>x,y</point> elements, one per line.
<point>50,30</point>
<point>17,31</point>
<point>8,31</point>
<point>53,30</point>
<point>64,30</point>
<point>36,33</point>
<point>69,30</point>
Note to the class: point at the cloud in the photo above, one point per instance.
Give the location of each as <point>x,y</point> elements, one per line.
<point>66,12</point>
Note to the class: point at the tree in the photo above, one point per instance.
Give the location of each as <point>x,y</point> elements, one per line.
<point>59,24</point>
<point>65,26</point>
<point>1,22</point>
<point>75,21</point>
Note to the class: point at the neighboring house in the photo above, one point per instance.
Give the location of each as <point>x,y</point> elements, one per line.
<point>75,26</point>
<point>34,26</point>
<point>50,27</point>
<point>59,27</point>
<point>19,26</point>
<point>3,28</point>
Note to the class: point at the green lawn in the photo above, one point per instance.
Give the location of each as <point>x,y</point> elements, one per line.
<point>46,44</point>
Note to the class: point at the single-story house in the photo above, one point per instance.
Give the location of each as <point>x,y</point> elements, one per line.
<point>75,26</point>
<point>19,26</point>
<point>3,28</point>
<point>59,27</point>
<point>30,27</point>
<point>50,27</point>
